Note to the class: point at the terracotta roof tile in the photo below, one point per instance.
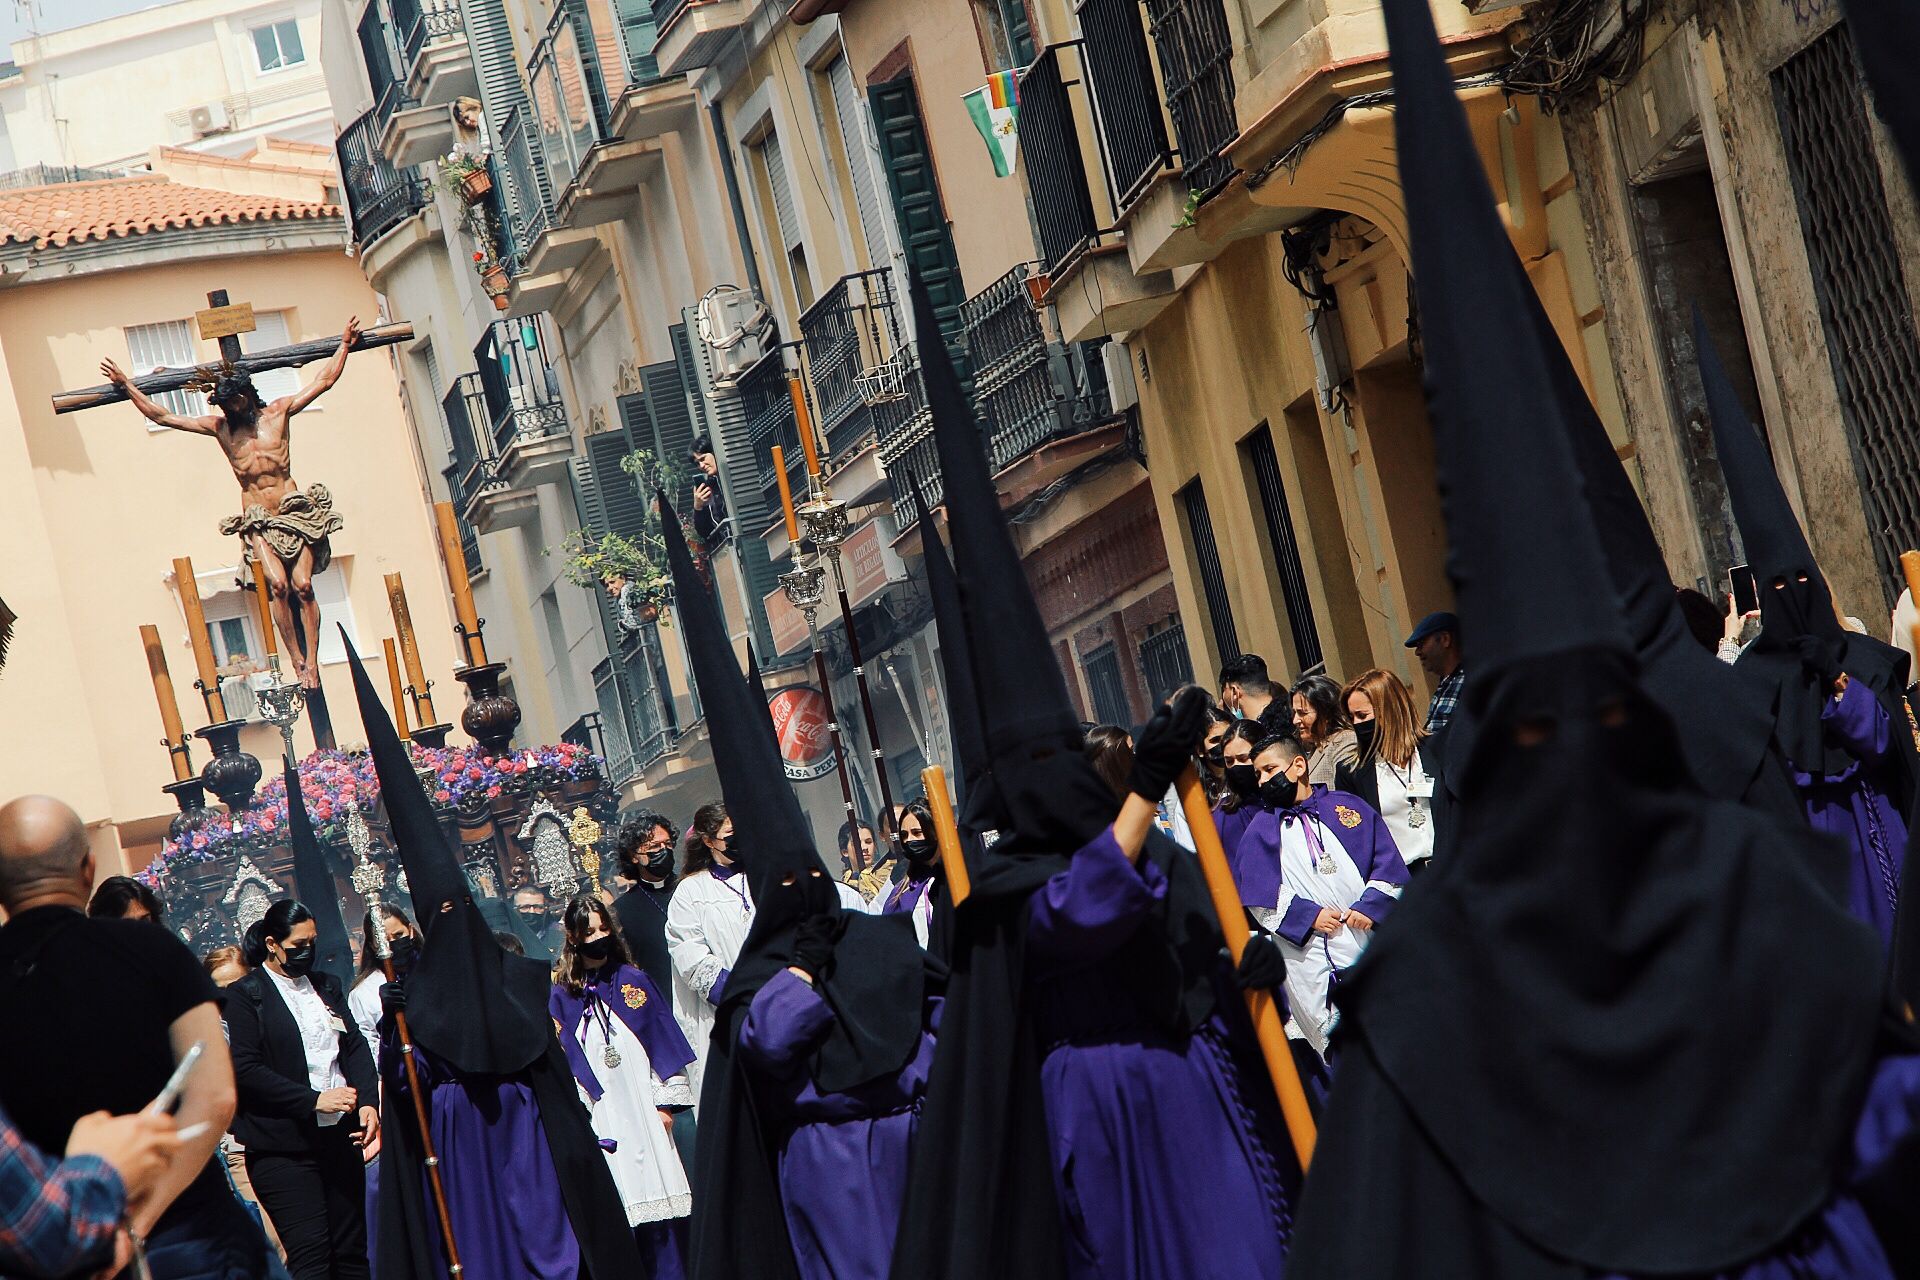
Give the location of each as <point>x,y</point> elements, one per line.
<point>109,208</point>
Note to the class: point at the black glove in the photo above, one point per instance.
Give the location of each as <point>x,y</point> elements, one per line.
<point>1262,965</point>
<point>1821,657</point>
<point>1167,744</point>
<point>813,943</point>
<point>393,997</point>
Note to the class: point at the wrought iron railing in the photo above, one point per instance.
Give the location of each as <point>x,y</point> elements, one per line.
<point>665,11</point>
<point>1126,100</point>
<point>470,472</point>
<point>380,195</point>
<point>1050,154</point>
<point>523,202</point>
<point>636,718</point>
<point>1196,62</point>
<point>852,340</point>
<point>521,388</point>
<point>424,22</point>
<point>768,406</point>
<point>1165,661</point>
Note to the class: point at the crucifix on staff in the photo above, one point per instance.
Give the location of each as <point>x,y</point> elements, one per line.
<point>283,527</point>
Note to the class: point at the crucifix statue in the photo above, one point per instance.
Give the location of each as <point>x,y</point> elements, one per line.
<point>285,528</point>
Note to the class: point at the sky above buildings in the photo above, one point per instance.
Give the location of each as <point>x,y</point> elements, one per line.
<point>19,18</point>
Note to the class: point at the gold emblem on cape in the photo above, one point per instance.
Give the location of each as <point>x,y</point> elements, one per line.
<point>633,995</point>
<point>1348,818</point>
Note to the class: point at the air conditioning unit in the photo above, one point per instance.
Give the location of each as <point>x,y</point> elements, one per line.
<point>734,324</point>
<point>210,118</point>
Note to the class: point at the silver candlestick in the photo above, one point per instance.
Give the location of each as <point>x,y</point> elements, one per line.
<point>280,703</point>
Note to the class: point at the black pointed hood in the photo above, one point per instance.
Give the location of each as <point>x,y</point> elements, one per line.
<point>978,809</point>
<point>1048,793</point>
<point>1592,1019</point>
<point>468,1001</point>
<point>313,882</point>
<point>758,686</point>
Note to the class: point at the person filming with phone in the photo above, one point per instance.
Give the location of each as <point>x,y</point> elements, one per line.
<point>99,1013</point>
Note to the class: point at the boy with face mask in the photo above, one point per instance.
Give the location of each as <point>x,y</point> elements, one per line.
<point>1319,870</point>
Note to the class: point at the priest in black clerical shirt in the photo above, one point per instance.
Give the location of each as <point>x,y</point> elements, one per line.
<point>644,847</point>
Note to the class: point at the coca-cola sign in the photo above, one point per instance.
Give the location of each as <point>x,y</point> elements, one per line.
<point>802,724</point>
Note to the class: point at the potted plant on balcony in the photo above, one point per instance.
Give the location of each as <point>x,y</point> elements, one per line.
<point>493,276</point>
<point>466,176</point>
<point>632,571</point>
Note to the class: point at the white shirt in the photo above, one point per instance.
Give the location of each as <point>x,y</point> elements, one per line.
<point>363,1002</point>
<point>1314,865</point>
<point>319,1035</point>
<point>1403,794</point>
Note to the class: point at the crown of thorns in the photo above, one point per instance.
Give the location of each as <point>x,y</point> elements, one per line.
<point>222,382</point>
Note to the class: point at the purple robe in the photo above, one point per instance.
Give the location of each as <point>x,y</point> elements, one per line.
<point>843,1156</point>
<point>1838,1243</point>
<point>1360,831</point>
<point>1854,805</point>
<point>1160,1166</point>
<point>1232,826</point>
<point>629,995</point>
<point>906,895</point>
<point>503,1194</point>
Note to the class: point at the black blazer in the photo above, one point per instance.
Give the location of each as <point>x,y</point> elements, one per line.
<point>1362,780</point>
<point>275,1111</point>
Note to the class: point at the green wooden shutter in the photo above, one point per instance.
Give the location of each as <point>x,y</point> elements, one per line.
<point>916,203</point>
<point>502,88</point>
<point>622,506</point>
<point>683,359</point>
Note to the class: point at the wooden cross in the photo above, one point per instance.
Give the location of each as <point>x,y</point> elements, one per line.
<point>225,322</point>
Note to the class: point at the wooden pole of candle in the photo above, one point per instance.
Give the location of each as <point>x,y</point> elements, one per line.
<point>410,651</point>
<point>202,643</point>
<point>264,599</point>
<point>803,424</point>
<point>399,692</point>
<point>469,618</point>
<point>176,738</point>
<point>786,497</point>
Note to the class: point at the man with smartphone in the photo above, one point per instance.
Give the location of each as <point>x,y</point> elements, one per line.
<point>100,1013</point>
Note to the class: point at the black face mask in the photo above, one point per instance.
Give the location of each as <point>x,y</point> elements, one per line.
<point>402,949</point>
<point>598,950</point>
<point>533,919</point>
<point>1364,732</point>
<point>919,852</point>
<point>1244,779</point>
<point>299,960</point>
<point>1280,791</point>
<point>658,863</point>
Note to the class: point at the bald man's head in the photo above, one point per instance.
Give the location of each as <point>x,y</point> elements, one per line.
<point>43,852</point>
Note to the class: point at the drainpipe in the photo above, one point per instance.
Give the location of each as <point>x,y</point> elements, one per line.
<point>733,197</point>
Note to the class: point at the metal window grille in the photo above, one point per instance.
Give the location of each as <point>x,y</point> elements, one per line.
<point>1108,690</point>
<point>1196,61</point>
<point>1213,578</point>
<point>1864,304</point>
<point>1286,548</point>
<point>1165,661</point>
<point>1125,97</point>
<point>1050,154</point>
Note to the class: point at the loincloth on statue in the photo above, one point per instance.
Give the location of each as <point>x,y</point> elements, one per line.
<point>305,519</point>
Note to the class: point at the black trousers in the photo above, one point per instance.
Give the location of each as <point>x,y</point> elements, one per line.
<point>318,1202</point>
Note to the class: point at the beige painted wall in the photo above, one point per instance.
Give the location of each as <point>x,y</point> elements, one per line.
<point>98,506</point>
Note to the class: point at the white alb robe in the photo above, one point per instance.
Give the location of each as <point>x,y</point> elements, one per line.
<point>1310,967</point>
<point>644,1162</point>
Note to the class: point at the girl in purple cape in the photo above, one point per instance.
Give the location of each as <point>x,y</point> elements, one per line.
<point>629,1059</point>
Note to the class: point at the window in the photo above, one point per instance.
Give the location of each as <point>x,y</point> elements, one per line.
<point>277,45</point>
<point>233,640</point>
<point>1285,545</point>
<point>1213,578</point>
<point>848,113</point>
<point>271,331</point>
<point>166,345</point>
<point>1105,685</point>
<point>787,219</point>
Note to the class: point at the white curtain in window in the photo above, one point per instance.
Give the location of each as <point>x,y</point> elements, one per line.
<point>166,345</point>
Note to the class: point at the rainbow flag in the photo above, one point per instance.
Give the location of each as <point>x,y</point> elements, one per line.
<point>995,109</point>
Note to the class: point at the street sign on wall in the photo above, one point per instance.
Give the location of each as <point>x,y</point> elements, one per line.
<point>802,717</point>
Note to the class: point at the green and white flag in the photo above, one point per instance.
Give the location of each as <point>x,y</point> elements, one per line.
<point>995,108</point>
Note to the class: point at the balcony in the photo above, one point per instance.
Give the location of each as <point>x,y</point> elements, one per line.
<point>693,32</point>
<point>380,195</point>
<point>637,723</point>
<point>508,426</point>
<point>1031,389</point>
<point>768,406</point>
<point>434,51</point>
<point>854,352</point>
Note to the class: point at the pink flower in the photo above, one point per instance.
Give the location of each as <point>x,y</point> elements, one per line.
<point>493,793</point>
<point>443,795</point>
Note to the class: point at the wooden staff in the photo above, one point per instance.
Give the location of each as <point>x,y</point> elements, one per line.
<point>399,691</point>
<point>383,950</point>
<point>946,830</point>
<point>197,635</point>
<point>410,650</point>
<point>803,425</point>
<point>475,650</point>
<point>1268,1026</point>
<point>176,738</point>
<point>264,599</point>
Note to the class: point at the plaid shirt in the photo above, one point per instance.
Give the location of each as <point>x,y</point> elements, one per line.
<point>57,1217</point>
<point>1446,697</point>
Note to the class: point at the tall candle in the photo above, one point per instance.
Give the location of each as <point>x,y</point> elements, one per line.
<point>803,424</point>
<point>399,691</point>
<point>409,649</point>
<point>456,558</point>
<point>266,610</point>
<point>169,705</point>
<point>202,643</point>
<point>786,496</point>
